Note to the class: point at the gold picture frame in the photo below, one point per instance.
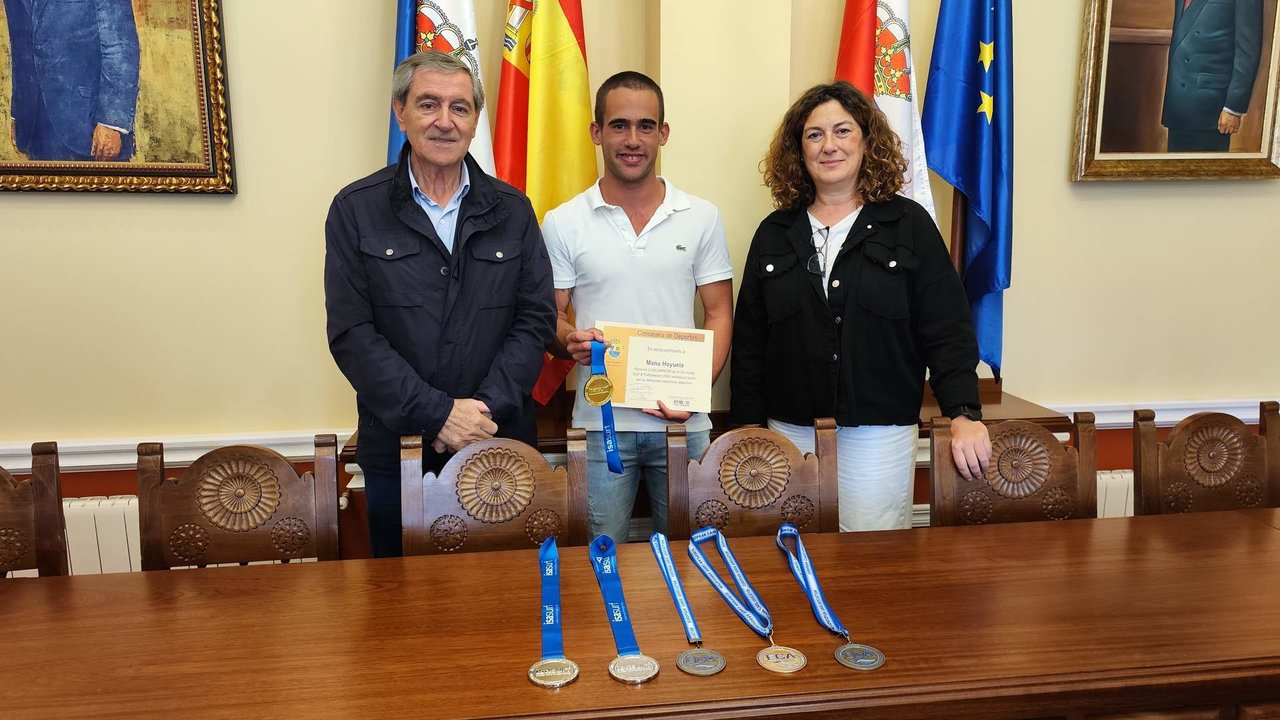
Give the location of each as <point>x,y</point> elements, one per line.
<point>1127,98</point>
<point>139,102</point>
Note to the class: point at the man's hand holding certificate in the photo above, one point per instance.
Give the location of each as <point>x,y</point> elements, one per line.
<point>648,364</point>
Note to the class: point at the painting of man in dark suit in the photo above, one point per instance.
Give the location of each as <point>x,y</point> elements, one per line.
<point>1213,60</point>
<point>74,78</point>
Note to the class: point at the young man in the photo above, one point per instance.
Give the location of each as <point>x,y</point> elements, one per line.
<point>634,249</point>
<point>438,291</point>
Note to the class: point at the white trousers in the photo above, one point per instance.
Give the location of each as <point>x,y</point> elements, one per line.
<point>876,466</point>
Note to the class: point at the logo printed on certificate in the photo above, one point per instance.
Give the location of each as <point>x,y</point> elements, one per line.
<point>647,363</point>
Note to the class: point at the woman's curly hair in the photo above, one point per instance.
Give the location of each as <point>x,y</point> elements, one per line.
<point>882,161</point>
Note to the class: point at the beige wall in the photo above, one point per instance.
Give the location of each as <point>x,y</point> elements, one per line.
<point>149,316</point>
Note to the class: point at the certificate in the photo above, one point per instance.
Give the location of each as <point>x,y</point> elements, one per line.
<point>648,364</point>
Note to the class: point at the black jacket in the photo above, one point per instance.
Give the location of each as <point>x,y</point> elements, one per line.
<point>896,306</point>
<point>413,326</point>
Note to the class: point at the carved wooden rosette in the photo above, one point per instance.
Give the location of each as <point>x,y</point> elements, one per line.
<point>542,524</point>
<point>495,485</point>
<point>13,546</point>
<point>711,513</point>
<point>975,508</point>
<point>188,542</point>
<point>239,493</point>
<point>448,532</point>
<point>290,536</point>
<point>1020,463</point>
<point>754,473</point>
<point>799,510</point>
<point>1213,455</point>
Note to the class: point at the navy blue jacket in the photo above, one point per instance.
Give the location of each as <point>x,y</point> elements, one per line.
<point>79,60</point>
<point>413,326</point>
<point>1213,61</point>
<point>896,307</point>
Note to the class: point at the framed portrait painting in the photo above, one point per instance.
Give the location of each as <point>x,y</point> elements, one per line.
<point>1178,90</point>
<point>125,95</point>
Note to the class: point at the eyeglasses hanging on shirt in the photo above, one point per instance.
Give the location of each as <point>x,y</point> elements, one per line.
<point>818,260</point>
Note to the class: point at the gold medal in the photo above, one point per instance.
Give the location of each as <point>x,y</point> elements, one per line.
<point>553,673</point>
<point>781,659</point>
<point>598,390</point>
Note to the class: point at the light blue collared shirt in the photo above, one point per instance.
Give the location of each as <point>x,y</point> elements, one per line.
<point>443,219</point>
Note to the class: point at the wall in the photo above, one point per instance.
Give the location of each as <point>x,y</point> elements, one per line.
<point>146,316</point>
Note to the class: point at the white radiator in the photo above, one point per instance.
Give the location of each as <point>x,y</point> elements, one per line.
<point>1115,493</point>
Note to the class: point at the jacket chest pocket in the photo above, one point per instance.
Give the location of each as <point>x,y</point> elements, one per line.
<point>393,266</point>
<point>779,285</point>
<point>883,286</point>
<point>493,274</point>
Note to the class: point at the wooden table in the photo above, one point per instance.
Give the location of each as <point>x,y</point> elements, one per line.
<point>1053,619</point>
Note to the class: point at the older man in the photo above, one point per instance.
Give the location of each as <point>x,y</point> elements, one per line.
<point>438,291</point>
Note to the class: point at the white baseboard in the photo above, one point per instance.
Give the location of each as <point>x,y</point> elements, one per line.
<point>122,454</point>
<point>1112,416</point>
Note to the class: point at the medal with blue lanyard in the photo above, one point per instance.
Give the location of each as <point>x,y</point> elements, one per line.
<point>598,391</point>
<point>851,654</point>
<point>630,666</point>
<point>699,660</point>
<point>778,658</point>
<point>553,670</point>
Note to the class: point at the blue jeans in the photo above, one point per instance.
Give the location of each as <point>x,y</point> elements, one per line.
<point>611,498</point>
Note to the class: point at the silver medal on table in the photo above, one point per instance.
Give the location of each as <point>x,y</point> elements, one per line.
<point>553,672</point>
<point>633,669</point>
<point>859,657</point>
<point>701,661</point>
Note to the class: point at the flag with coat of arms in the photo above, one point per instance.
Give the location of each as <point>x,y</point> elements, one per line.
<point>446,26</point>
<point>875,57</point>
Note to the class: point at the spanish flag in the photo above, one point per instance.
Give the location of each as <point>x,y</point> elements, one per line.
<point>542,143</point>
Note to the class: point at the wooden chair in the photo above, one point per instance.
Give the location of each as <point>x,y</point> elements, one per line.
<point>496,494</point>
<point>237,504</point>
<point>32,529</point>
<point>1032,476</point>
<point>1210,461</point>
<point>750,481</point>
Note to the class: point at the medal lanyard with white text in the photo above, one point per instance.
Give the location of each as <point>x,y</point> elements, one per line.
<point>599,391</point>
<point>630,666</point>
<point>852,655</point>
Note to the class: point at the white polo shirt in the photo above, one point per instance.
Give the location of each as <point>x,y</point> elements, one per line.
<point>646,279</point>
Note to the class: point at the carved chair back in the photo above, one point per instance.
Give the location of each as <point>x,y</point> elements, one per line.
<point>32,530</point>
<point>496,494</point>
<point>1210,461</point>
<point>750,481</point>
<point>1031,476</point>
<point>237,504</point>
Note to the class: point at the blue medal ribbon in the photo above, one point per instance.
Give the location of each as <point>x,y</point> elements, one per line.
<point>757,615</point>
<point>804,573</point>
<point>549,570</point>
<point>612,457</point>
<point>604,560</point>
<point>662,551</point>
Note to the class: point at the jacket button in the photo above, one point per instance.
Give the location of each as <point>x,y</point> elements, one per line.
<point>839,319</point>
<point>893,263</point>
<point>390,252</point>
<point>768,268</point>
<point>498,254</point>
<point>835,283</point>
<point>444,272</point>
<point>835,357</point>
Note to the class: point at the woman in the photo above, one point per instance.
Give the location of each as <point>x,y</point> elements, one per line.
<point>847,296</point>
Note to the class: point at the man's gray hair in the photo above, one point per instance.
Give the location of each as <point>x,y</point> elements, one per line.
<point>434,61</point>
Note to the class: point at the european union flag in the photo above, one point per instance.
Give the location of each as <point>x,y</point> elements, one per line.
<point>968,138</point>
<point>406,45</point>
